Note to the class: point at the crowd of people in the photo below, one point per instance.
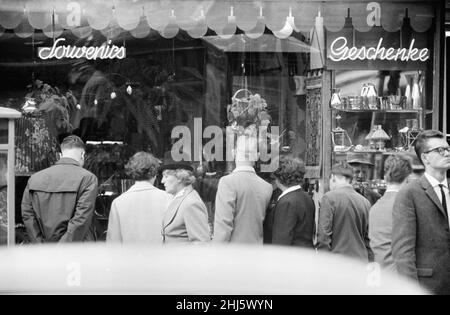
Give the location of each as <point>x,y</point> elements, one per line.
<point>407,230</point>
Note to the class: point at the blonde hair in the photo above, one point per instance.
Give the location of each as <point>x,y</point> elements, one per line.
<point>184,176</point>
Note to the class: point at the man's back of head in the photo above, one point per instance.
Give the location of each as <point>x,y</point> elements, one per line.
<point>246,152</point>
<point>74,148</point>
<point>341,174</point>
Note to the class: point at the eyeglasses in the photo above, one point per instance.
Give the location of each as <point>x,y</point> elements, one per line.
<point>440,150</point>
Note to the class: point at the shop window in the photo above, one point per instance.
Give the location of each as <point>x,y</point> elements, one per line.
<point>380,113</point>
<point>122,106</point>
<point>3,131</point>
<point>3,198</point>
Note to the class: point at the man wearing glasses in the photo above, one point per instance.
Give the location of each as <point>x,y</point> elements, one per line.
<point>421,226</point>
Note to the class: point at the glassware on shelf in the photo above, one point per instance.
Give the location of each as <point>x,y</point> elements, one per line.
<point>355,102</point>
<point>415,93</point>
<point>371,95</point>
<point>396,102</point>
<point>408,91</point>
<point>336,100</point>
<point>379,137</point>
<point>341,139</point>
<point>369,138</point>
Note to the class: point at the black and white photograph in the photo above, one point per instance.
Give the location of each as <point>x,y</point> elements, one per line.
<point>224,153</point>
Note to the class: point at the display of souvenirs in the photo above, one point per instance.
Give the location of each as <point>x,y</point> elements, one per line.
<point>340,138</point>
<point>246,110</point>
<point>45,117</point>
<point>36,147</point>
<point>370,97</point>
<point>336,101</point>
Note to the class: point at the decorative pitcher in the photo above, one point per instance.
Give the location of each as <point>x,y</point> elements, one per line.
<point>336,101</point>
<point>372,97</point>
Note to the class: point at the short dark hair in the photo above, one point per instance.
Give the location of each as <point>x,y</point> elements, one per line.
<point>72,142</point>
<point>291,171</point>
<point>397,168</point>
<point>343,169</point>
<point>142,166</point>
<point>420,145</point>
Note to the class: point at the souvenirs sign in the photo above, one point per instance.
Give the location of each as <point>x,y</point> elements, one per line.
<point>59,51</point>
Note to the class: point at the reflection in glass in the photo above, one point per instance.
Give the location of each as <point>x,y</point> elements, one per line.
<point>3,199</point>
<point>3,131</point>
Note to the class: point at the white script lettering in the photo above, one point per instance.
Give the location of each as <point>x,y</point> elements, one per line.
<point>339,51</point>
<point>106,51</point>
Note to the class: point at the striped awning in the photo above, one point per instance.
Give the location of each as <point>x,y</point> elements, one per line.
<point>196,17</point>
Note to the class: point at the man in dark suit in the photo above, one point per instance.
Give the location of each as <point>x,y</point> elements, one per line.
<point>344,217</point>
<point>420,233</point>
<point>293,216</point>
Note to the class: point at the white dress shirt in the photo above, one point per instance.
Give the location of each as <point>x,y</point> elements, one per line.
<point>290,189</point>
<point>435,184</point>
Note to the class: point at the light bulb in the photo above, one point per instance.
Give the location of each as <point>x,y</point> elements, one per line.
<point>95,102</point>
<point>78,106</point>
<point>113,95</point>
<point>129,90</point>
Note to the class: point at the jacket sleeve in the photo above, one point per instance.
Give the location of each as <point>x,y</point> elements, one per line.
<point>196,221</point>
<point>114,234</point>
<point>380,243</point>
<point>370,254</point>
<point>404,235</point>
<point>326,218</point>
<point>30,219</point>
<point>225,212</point>
<point>81,221</point>
<point>285,220</point>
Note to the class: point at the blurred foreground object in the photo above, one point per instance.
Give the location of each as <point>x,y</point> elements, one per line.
<point>189,270</point>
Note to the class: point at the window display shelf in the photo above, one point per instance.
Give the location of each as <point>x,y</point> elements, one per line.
<point>399,111</point>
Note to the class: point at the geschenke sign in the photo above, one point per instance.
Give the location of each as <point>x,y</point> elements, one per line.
<point>340,51</point>
<point>57,51</point>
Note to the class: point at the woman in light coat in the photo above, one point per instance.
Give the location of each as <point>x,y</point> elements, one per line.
<point>136,216</point>
<point>186,218</point>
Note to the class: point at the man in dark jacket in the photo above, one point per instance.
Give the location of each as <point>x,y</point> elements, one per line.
<point>293,216</point>
<point>344,217</point>
<point>58,202</point>
<point>421,226</point>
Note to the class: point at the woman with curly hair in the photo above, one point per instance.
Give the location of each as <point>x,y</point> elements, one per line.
<point>293,216</point>
<point>186,217</point>
<point>136,216</point>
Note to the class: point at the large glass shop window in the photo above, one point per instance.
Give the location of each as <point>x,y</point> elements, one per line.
<point>376,114</point>
<point>121,106</point>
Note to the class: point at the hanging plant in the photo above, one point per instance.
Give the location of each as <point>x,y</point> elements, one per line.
<point>247,111</point>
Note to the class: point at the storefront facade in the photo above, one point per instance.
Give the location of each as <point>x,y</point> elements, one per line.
<point>140,75</point>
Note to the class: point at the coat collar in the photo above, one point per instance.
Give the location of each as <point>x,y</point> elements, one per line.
<point>67,161</point>
<point>429,190</point>
<point>174,206</point>
<point>140,186</point>
<point>244,169</point>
